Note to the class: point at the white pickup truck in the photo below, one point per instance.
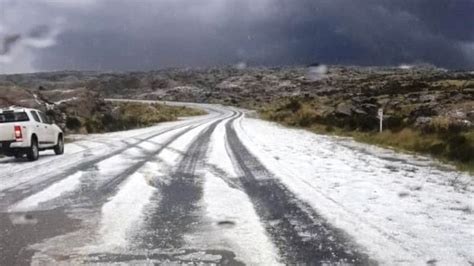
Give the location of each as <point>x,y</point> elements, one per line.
<point>26,131</point>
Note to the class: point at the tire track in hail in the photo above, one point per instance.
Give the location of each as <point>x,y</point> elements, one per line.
<point>35,165</point>
<point>97,196</point>
<point>12,196</point>
<point>301,235</point>
<point>110,186</point>
<point>58,216</point>
<point>173,211</point>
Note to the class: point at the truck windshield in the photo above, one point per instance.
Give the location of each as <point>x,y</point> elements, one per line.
<point>9,117</point>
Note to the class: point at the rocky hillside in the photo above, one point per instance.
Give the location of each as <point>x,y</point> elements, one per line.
<point>351,98</point>
<point>411,94</point>
<point>83,110</point>
<point>71,109</point>
<point>426,99</point>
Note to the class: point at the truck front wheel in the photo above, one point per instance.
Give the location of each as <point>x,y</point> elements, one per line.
<point>59,148</point>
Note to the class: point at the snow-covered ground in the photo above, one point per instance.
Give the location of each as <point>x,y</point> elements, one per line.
<point>177,193</point>
<point>402,208</point>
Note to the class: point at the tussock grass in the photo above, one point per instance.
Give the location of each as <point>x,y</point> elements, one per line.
<point>131,115</point>
<point>454,148</point>
<point>456,83</point>
<point>442,141</point>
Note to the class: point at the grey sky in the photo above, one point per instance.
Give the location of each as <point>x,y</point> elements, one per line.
<point>146,34</point>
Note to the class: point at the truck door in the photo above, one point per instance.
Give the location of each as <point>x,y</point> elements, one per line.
<point>38,128</point>
<point>49,138</point>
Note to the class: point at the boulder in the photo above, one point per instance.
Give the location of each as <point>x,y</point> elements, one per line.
<point>344,109</point>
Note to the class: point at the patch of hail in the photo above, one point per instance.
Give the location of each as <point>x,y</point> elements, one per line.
<point>316,72</point>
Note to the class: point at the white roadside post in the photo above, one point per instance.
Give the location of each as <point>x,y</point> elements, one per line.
<point>381,119</point>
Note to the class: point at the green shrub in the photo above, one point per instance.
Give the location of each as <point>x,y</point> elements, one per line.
<point>293,105</point>
<point>93,125</point>
<point>73,123</point>
<point>460,149</point>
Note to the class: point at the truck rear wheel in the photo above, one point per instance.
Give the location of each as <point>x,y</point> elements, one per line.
<point>33,152</point>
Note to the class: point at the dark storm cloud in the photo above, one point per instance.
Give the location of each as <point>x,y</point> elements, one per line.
<point>452,19</point>
<point>145,34</point>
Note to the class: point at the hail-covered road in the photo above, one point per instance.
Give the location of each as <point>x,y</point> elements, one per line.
<point>226,188</point>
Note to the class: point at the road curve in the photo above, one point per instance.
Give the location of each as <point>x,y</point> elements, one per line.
<point>190,191</point>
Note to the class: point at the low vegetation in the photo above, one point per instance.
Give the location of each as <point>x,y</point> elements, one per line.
<point>131,115</point>
<point>440,137</point>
